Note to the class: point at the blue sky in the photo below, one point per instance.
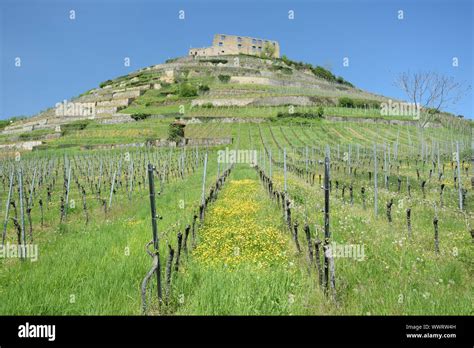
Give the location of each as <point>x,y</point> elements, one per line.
<point>62,58</point>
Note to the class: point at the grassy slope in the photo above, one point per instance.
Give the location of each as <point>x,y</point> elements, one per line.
<point>322,130</point>
<point>395,265</point>
<point>246,263</point>
<point>90,261</point>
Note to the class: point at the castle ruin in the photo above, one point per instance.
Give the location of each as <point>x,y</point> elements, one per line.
<point>232,44</point>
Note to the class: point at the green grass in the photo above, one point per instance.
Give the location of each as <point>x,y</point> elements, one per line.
<point>395,265</point>
<point>173,109</point>
<point>250,111</point>
<point>399,275</point>
<point>244,287</point>
<point>97,268</point>
<point>124,133</point>
<point>90,261</point>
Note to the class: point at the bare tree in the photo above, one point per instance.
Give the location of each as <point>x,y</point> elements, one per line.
<point>430,91</point>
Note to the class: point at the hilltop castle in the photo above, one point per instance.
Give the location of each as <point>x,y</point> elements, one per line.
<point>232,44</point>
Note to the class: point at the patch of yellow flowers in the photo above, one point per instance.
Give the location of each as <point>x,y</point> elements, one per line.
<point>238,229</point>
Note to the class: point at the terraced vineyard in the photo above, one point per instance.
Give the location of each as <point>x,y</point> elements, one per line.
<point>235,185</point>
<point>248,234</point>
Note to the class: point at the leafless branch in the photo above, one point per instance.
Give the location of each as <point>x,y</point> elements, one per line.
<point>431,91</point>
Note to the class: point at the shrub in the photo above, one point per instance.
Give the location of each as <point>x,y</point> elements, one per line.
<point>145,77</point>
<point>86,92</point>
<point>224,78</point>
<point>175,132</point>
<point>365,103</point>
<point>346,102</point>
<point>105,83</point>
<point>341,81</point>
<point>315,115</point>
<point>320,111</point>
<point>140,116</point>
<point>186,90</point>
<point>358,103</point>
<point>282,69</point>
<point>268,50</point>
<point>203,88</point>
<point>34,135</point>
<point>74,126</point>
<point>207,106</point>
<point>4,123</point>
<point>214,61</point>
<point>323,101</point>
<point>285,60</point>
<point>7,122</point>
<point>319,71</point>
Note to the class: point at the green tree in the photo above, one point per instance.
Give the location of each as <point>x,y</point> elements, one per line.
<point>187,90</point>
<point>175,131</point>
<point>268,50</point>
<point>346,102</point>
<point>224,78</point>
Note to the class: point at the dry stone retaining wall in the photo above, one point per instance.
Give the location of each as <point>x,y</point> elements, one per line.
<point>25,145</point>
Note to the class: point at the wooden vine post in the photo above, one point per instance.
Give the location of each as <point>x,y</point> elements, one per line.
<point>112,185</point>
<point>327,233</point>
<point>68,185</point>
<point>100,179</point>
<point>7,208</point>
<point>22,215</point>
<point>151,182</point>
<point>284,199</point>
<point>130,178</point>
<point>203,193</point>
<point>459,177</point>
<point>375,181</point>
<point>284,170</point>
<point>270,163</point>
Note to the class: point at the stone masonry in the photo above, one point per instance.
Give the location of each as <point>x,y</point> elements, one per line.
<point>232,44</point>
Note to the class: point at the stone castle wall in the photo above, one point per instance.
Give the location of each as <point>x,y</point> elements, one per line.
<point>233,44</point>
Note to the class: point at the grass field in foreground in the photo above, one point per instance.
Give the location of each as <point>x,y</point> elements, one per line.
<point>245,262</point>
<point>94,269</point>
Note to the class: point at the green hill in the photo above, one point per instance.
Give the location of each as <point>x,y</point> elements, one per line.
<point>138,107</point>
